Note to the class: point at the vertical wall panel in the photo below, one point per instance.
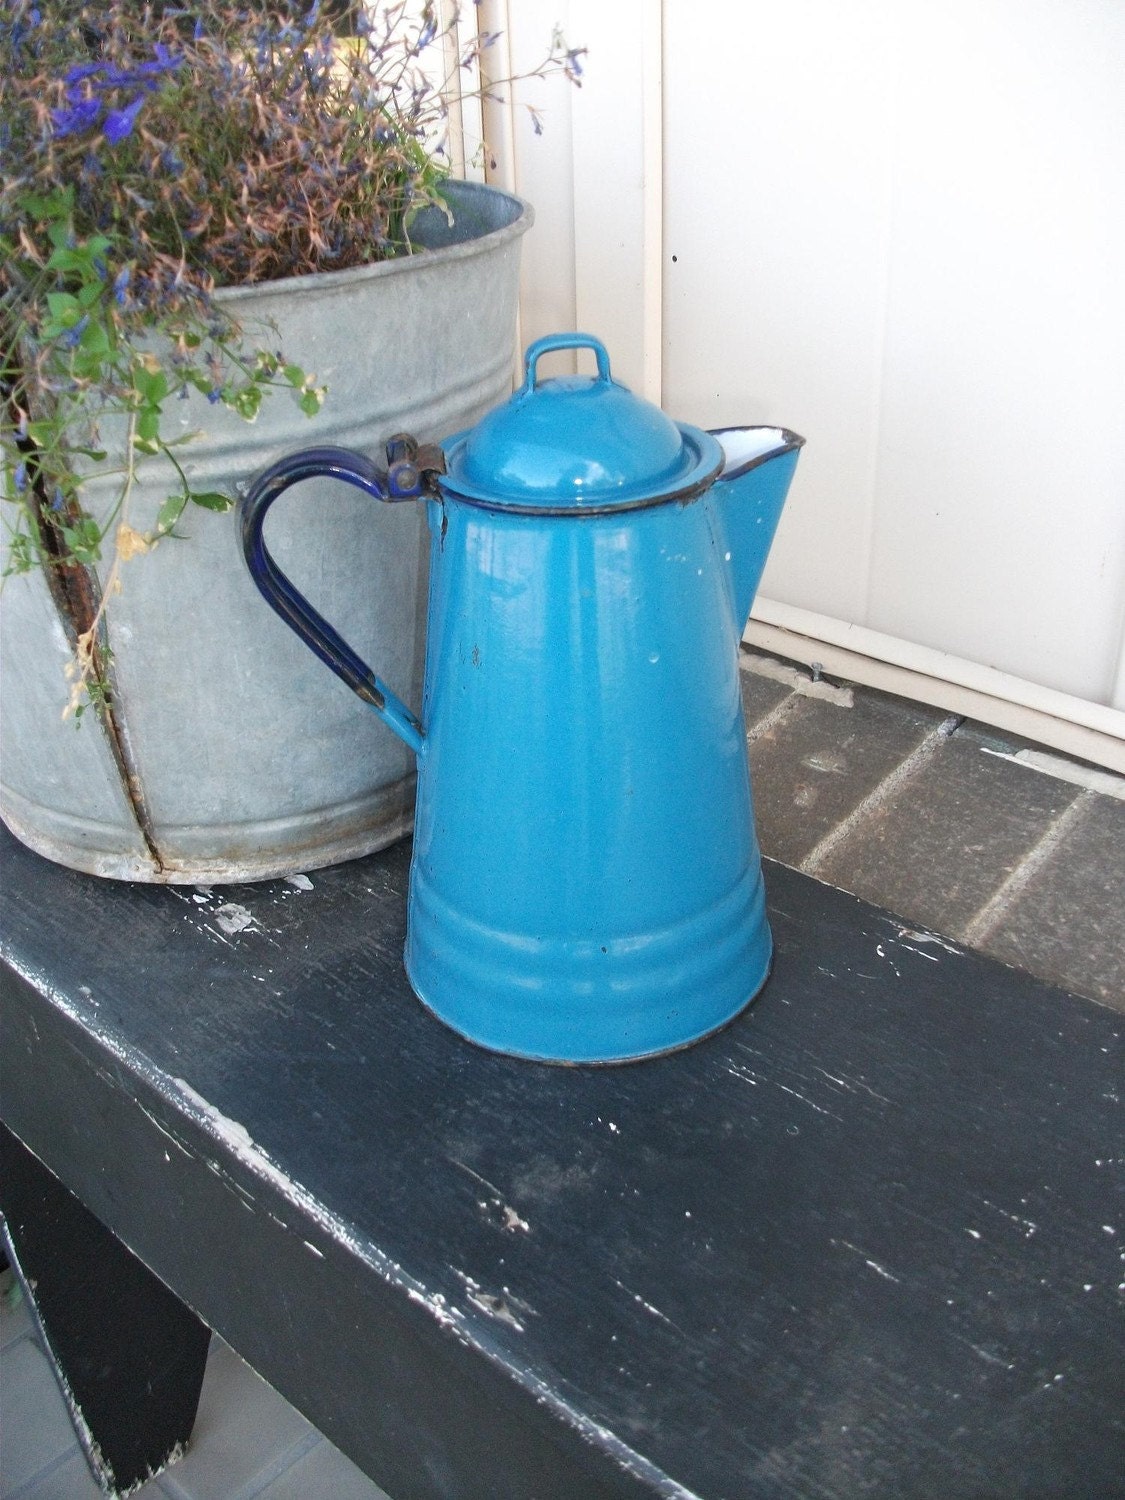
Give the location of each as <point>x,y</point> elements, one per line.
<point>899,227</point>
<point>777,195</point>
<point>999,528</point>
<point>617,204</point>
<point>539,166</point>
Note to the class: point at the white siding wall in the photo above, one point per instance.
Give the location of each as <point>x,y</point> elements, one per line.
<point>897,226</point>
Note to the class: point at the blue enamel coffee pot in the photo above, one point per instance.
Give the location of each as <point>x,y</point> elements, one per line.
<point>586,884</point>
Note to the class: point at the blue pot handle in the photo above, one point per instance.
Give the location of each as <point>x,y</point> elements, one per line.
<point>554,341</point>
<point>410,473</point>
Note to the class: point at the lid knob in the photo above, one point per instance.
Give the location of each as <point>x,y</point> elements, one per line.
<point>554,341</point>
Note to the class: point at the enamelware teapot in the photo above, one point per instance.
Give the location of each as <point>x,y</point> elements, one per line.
<point>586,883</point>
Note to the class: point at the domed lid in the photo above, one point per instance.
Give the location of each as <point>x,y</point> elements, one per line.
<point>577,443</point>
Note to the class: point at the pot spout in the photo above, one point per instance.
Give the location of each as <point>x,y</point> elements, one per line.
<point>748,497</point>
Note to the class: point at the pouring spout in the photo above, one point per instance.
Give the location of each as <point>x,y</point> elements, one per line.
<point>748,498</point>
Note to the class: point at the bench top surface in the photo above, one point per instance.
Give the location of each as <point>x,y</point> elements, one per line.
<point>866,1240</point>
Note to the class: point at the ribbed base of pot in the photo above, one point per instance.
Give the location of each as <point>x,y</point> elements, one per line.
<point>581,1000</point>
<point>215,854</point>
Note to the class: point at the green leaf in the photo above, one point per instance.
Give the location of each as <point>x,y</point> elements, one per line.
<point>83,541</point>
<point>22,555</point>
<point>54,205</point>
<point>170,512</point>
<point>247,402</point>
<point>65,309</point>
<point>148,424</point>
<point>310,402</point>
<point>66,258</point>
<point>152,385</point>
<point>295,376</point>
<point>95,339</point>
<point>211,500</point>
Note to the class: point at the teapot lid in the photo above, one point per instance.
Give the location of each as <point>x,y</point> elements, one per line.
<point>578,444</point>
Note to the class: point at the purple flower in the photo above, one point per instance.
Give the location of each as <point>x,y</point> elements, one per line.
<point>80,116</point>
<point>119,122</point>
<point>88,84</point>
<point>121,284</point>
<point>78,73</point>
<point>21,477</point>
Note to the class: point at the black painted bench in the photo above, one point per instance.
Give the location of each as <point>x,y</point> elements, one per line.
<point>866,1241</point>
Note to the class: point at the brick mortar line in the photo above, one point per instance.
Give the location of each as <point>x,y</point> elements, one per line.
<point>922,753</point>
<point>984,923</point>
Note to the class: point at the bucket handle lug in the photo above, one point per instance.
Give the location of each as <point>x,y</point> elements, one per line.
<point>411,472</point>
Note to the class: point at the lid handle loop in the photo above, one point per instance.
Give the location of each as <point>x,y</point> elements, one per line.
<point>555,341</point>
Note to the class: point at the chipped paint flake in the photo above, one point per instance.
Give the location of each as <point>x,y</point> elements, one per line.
<point>232,918</point>
<point>494,1206</point>
<point>919,935</point>
<point>494,1305</point>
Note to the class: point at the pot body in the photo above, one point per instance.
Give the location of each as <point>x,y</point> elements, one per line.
<point>586,883</point>
<point>232,756</point>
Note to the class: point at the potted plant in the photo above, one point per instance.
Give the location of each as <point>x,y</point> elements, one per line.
<point>218,222</point>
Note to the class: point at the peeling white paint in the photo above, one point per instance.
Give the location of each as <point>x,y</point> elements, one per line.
<point>236,1137</point>
<point>919,935</point>
<point>509,1219</point>
<point>872,1265</point>
<point>931,957</point>
<point>493,1305</point>
<point>796,1095</point>
<point>992,1359</point>
<point>232,918</point>
<point>1028,1226</point>
<point>648,1307</point>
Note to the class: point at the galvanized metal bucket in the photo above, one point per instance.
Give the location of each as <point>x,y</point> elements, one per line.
<point>232,755</point>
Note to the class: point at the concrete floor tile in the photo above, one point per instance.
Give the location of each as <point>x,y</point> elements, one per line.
<point>15,1320</point>
<point>815,765</point>
<point>243,1430</point>
<point>37,1429</point>
<point>947,837</point>
<point>760,696</point>
<point>72,1480</point>
<point>323,1474</point>
<point>1067,923</point>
